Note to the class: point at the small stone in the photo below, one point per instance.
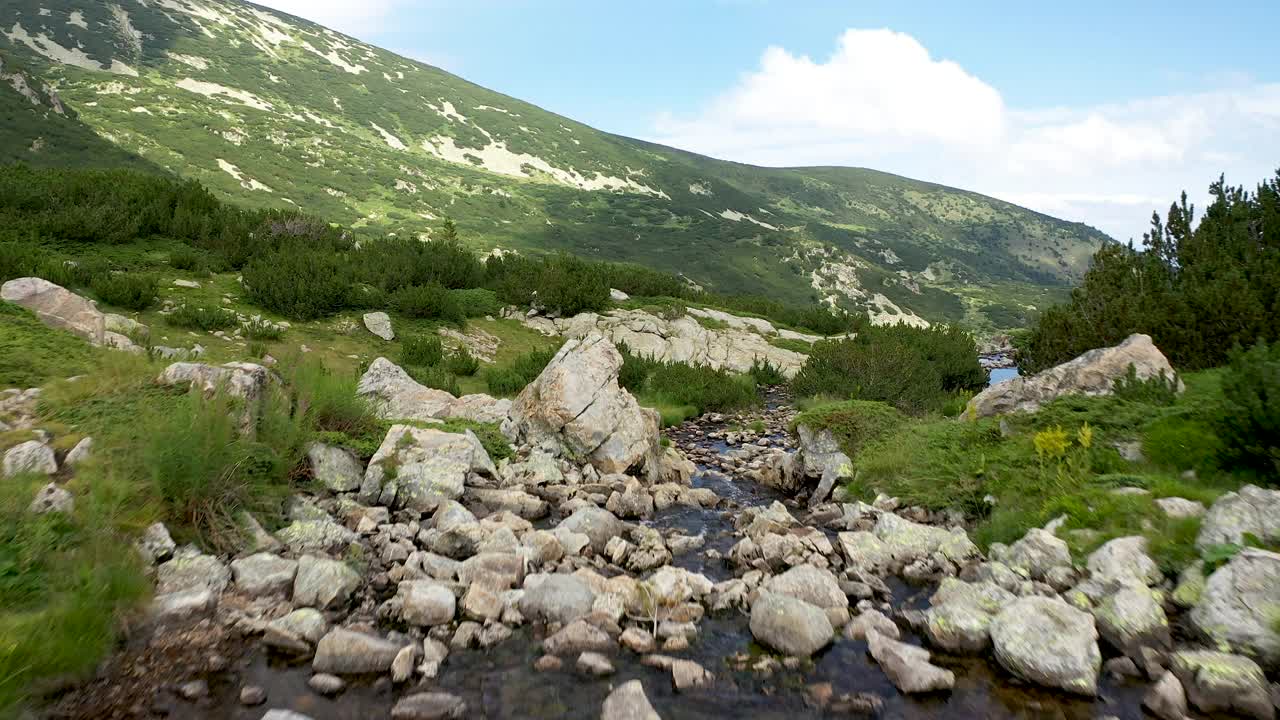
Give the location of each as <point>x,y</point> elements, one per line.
<point>52,499</point>
<point>637,640</point>
<point>327,684</point>
<point>547,663</point>
<point>1166,699</point>
<point>251,695</point>
<point>628,702</point>
<point>194,690</point>
<point>402,666</point>
<point>429,706</point>
<point>593,663</point>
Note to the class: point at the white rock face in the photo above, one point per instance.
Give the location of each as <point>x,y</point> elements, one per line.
<point>1093,373</point>
<point>577,403</point>
<point>1048,642</point>
<point>1237,608</point>
<point>683,339</point>
<point>58,307</point>
<point>430,466</point>
<point>398,396</point>
<point>379,323</point>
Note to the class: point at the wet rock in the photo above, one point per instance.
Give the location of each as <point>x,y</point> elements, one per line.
<point>594,664</point>
<point>1093,373</point>
<point>1239,606</point>
<point>430,466</point>
<point>396,396</point>
<point>628,702</point>
<point>810,584</point>
<point>323,583</point>
<point>32,457</point>
<point>1132,618</point>
<point>637,640</point>
<point>790,626</point>
<point>870,620</point>
<point>194,690</point>
<point>1219,682</point>
<point>52,499</point>
<point>577,637</point>
<point>326,684</point>
<point>959,619</point>
<point>344,652</point>
<point>548,663</point>
<point>1252,510</point>
<point>687,674</point>
<point>251,695</point>
<point>426,603</point>
<point>1046,641</point>
<point>298,632</point>
<point>284,715</point>
<point>263,574</point>
<point>429,706</point>
<point>557,599</point>
<point>907,666</point>
<point>336,469</point>
<point>1166,699</point>
<point>1038,552</point>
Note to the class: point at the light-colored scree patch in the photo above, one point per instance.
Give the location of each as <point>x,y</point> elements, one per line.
<point>209,89</point>
<point>45,46</point>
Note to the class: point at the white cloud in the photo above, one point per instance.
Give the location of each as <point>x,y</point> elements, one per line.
<point>354,17</point>
<point>882,101</point>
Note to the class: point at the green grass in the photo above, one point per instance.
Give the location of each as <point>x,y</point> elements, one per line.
<point>854,423</point>
<point>32,354</point>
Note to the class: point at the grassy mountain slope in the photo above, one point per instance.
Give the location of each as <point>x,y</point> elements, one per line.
<point>276,111</point>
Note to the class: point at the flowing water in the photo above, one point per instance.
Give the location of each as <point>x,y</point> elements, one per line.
<point>502,684</point>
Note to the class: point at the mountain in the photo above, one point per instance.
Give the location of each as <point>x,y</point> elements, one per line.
<point>272,110</point>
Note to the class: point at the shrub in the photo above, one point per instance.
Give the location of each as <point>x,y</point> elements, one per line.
<point>202,317</point>
<point>394,263</point>
<point>422,350</point>
<point>766,373</point>
<point>523,370</point>
<point>1249,423</point>
<point>261,329</point>
<point>1158,390</point>
<point>125,290</point>
<point>436,377</point>
<point>1183,443</point>
<point>855,424</point>
<point>462,363</point>
<point>328,400</point>
<point>433,302</point>
<point>299,282</point>
<point>504,382</point>
<point>188,258</point>
<point>702,387</point>
<point>561,283</point>
<point>477,302</point>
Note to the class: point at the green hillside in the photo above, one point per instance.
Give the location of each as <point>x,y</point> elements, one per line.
<point>274,111</point>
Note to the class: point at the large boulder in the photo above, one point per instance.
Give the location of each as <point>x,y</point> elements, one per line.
<point>396,396</point>
<point>1038,552</point>
<point>960,614</point>
<point>58,307</point>
<point>32,456</point>
<point>790,626</point>
<point>1047,642</point>
<point>557,599</point>
<point>345,652</point>
<point>810,584</point>
<point>264,574</point>
<point>323,583</point>
<point>1093,373</point>
<point>1132,618</point>
<point>426,603</point>
<point>241,380</point>
<point>908,666</point>
<point>577,404</point>
<point>820,457</point>
<point>598,524</point>
<point>906,541</point>
<point>1252,510</point>
<point>628,702</point>
<point>189,570</point>
<point>417,467</point>
<point>335,468</point>
<point>1217,682</point>
<point>1240,605</point>
<point>1124,561</point>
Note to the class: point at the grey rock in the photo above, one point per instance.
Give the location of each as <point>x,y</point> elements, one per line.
<point>335,468</point>
<point>326,684</point>
<point>429,706</point>
<point>52,499</point>
<point>628,702</point>
<point>32,457</point>
<point>869,620</point>
<point>1238,606</point>
<point>264,574</point>
<point>285,715</point>
<point>577,637</point>
<point>1046,641</point>
<point>298,632</point>
<point>379,323</point>
<point>183,604</point>
<point>80,453</point>
<point>430,466</point>
<point>960,615</point>
<point>426,603</point>
<point>1124,560</point>
<point>594,664</point>
<point>1132,618</point>
<point>344,652</point>
<point>789,625</point>
<point>251,695</point>
<point>597,524</point>
<point>1252,510</point>
<point>323,583</point>
<point>1166,699</point>
<point>396,396</point>
<point>1180,508</point>
<point>810,584</point>
<point>1038,552</point>
<point>1219,682</point>
<point>189,570</point>
<point>908,666</point>
<point>156,546</point>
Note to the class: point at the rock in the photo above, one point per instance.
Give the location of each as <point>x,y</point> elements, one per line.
<point>156,545</point>
<point>1121,667</point>
<point>1166,699</point>
<point>263,574</point>
<point>960,616</point>
<point>1252,510</point>
<point>597,524</point>
<point>298,632</point>
<point>577,637</point>
<point>239,380</point>
<point>58,307</point>
<point>864,551</point>
<point>1219,682</point>
<point>512,500</point>
<point>326,684</point>
<point>672,585</point>
<point>907,666</point>
<point>1047,642</point>
<point>402,666</point>
<point>548,663</point>
<point>187,284</point>
<point>806,582</point>
<point>637,640</point>
<point>789,625</point>
<point>251,695</point>
<point>1093,373</point>
<point>429,706</point>
<point>344,652</point>
<point>32,457</point>
<point>434,654</point>
<point>1038,552</point>
<point>633,502</point>
<point>557,599</point>
<point>1131,619</point>
<point>379,323</point>
<point>479,408</point>
<point>1180,508</point>
<point>869,620</point>
<point>426,603</point>
<point>336,469</point>
<point>189,570</point>
<point>628,702</point>
<point>396,396</point>
<point>687,674</point>
<point>316,533</point>
<point>906,541</point>
<point>1124,560</point>
<point>595,664</point>
<point>1240,604</point>
<point>577,404</point>
<point>284,715</point>
<point>323,583</point>
<point>52,499</point>
<point>617,295</point>
<point>194,690</point>
<point>430,466</point>
<point>80,453</point>
<point>820,456</point>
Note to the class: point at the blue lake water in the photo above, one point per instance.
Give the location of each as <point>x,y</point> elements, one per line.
<point>1002,374</point>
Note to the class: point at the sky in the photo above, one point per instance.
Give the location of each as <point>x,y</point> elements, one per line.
<point>1092,111</point>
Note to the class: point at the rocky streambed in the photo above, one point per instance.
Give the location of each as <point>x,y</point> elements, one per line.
<point>714,578</point>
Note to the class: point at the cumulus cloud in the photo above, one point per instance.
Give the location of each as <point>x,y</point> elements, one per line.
<point>882,101</point>
<point>348,16</point>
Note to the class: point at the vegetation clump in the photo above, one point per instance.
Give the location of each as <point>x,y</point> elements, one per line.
<point>126,290</point>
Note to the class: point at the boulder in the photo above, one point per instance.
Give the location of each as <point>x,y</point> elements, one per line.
<point>335,468</point>
<point>577,637</point>
<point>426,603</point>
<point>1219,682</point>
<point>810,584</point>
<point>628,702</point>
<point>820,457</point>
<point>1180,508</point>
<point>906,541</point>
<point>190,570</point>
<point>1240,604</point>
<point>315,531</point>
<point>1047,642</point>
<point>597,524</point>
<point>790,626</point>
<point>632,502</point>
<point>263,574</point>
<point>1093,373</point>
<point>417,468</point>
<point>297,632</point>
<point>1124,561</point>
<point>1252,510</point>
<point>32,457</point>
<point>908,666</point>
<point>396,396</point>
<point>345,652</point>
<point>379,323</point>
<point>1132,618</point>
<point>323,583</point>
<point>246,381</point>
<point>869,620</point>
<point>479,408</point>
<point>557,599</point>
<point>58,307</point>
<point>960,616</point>
<point>577,404</point>
<point>1166,699</point>
<point>864,551</point>
<point>1038,552</point>
<point>52,499</point>
<point>156,545</point>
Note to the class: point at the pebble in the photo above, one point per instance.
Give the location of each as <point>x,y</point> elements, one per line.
<point>327,684</point>
<point>251,695</point>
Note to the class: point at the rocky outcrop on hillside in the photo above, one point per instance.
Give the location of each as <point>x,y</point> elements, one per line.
<point>396,396</point>
<point>736,346</point>
<point>1093,373</point>
<point>58,307</point>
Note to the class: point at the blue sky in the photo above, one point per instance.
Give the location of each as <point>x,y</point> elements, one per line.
<point>1093,111</point>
